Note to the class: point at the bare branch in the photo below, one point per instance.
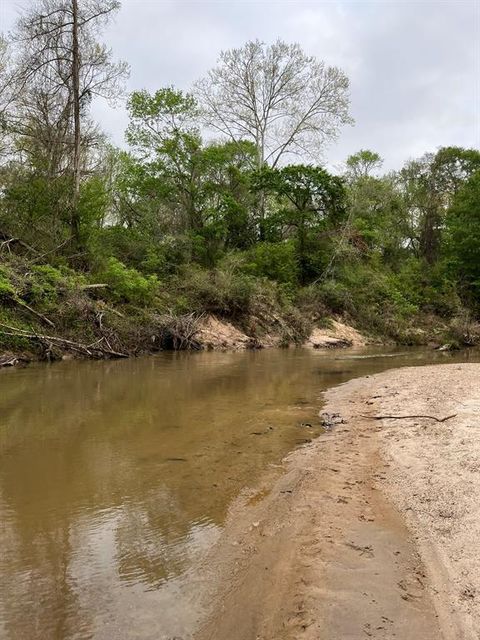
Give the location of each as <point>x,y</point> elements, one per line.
<point>283,100</point>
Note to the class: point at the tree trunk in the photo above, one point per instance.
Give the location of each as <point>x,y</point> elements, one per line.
<point>261,203</point>
<point>430,234</point>
<point>75,218</point>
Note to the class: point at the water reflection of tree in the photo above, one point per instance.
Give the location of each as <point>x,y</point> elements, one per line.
<point>153,543</point>
<point>81,439</point>
<point>38,597</point>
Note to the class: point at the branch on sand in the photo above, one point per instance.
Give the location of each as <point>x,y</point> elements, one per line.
<point>405,417</point>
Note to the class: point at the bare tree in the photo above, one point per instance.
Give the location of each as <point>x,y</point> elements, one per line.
<point>5,95</point>
<point>60,67</point>
<point>283,100</point>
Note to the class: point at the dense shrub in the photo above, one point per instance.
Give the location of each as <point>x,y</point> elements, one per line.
<point>7,290</point>
<point>224,290</point>
<point>128,285</point>
<point>276,261</point>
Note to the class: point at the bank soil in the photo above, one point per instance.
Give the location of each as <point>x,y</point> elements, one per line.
<point>372,530</point>
<point>218,334</point>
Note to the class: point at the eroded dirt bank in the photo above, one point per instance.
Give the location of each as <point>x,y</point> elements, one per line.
<point>372,530</point>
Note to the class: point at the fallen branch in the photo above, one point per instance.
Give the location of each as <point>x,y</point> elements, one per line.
<point>39,315</point>
<point>10,361</point>
<point>94,286</point>
<point>91,351</point>
<point>6,242</point>
<point>404,417</point>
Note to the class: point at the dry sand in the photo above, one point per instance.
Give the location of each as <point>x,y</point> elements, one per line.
<point>372,531</point>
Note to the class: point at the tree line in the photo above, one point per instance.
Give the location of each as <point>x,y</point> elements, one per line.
<point>227,177</point>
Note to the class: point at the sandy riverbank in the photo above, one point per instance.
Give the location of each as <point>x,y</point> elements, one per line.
<point>372,530</point>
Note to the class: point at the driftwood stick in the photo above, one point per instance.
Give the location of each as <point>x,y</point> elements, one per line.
<point>404,417</point>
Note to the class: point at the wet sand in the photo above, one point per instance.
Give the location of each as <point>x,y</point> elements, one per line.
<point>371,531</point>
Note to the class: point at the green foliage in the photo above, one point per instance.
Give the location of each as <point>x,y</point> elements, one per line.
<point>42,285</point>
<point>362,163</point>
<point>463,241</point>
<point>34,207</point>
<point>311,203</point>
<point>7,290</point>
<point>155,117</point>
<point>225,291</point>
<point>273,260</point>
<point>379,220</point>
<point>153,254</point>
<point>128,285</point>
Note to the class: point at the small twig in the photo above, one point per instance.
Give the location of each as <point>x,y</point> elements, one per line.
<point>404,417</point>
<point>43,255</point>
<point>115,311</point>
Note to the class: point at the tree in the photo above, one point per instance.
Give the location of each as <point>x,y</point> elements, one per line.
<point>4,79</point>
<point>60,67</point>
<point>363,163</point>
<point>195,189</point>
<point>282,100</point>
<point>378,217</point>
<point>312,206</point>
<point>463,236</point>
<point>155,118</point>
<point>429,185</point>
<point>451,168</point>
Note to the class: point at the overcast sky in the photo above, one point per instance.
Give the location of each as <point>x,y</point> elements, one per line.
<point>414,67</point>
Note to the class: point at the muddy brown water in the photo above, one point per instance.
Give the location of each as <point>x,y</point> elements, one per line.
<point>116,478</point>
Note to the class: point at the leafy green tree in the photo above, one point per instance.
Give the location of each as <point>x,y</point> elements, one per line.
<point>463,236</point>
<point>312,206</point>
<point>428,186</point>
<point>157,117</point>
<point>190,188</point>
<point>378,218</point>
<point>452,167</point>
<point>363,163</point>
